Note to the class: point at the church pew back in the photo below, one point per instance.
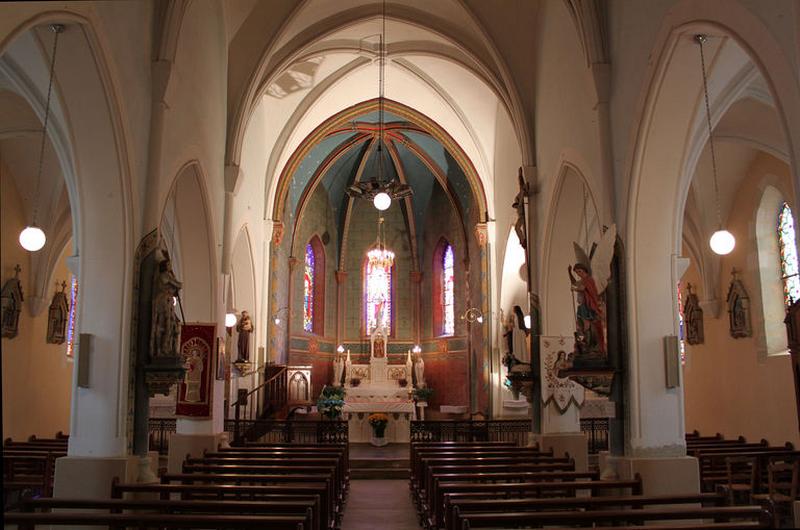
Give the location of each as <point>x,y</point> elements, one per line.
<point>539,488</point>
<point>486,502</point>
<point>308,507</point>
<point>225,492</point>
<point>754,514</point>
<point>25,521</point>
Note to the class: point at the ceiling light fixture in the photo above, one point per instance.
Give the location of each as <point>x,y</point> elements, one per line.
<point>33,238</point>
<point>722,242</point>
<point>380,191</point>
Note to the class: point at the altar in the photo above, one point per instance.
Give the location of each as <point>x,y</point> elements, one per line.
<point>378,390</point>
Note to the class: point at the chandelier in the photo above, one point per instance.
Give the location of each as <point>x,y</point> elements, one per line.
<point>378,190</point>
<point>33,238</point>
<point>722,241</point>
<point>380,256</point>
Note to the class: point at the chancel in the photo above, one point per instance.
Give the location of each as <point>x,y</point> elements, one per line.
<point>285,259</point>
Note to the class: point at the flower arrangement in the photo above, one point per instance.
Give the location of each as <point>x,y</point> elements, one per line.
<point>378,420</point>
<point>423,394</point>
<point>331,402</point>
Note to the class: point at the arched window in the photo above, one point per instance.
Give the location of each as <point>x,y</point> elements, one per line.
<point>444,321</point>
<point>788,255</point>
<point>314,287</point>
<point>377,295</point>
<point>73,304</point>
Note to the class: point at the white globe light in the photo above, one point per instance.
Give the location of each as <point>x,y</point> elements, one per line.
<point>722,242</point>
<point>32,238</point>
<point>230,320</point>
<point>382,201</point>
<point>527,320</point>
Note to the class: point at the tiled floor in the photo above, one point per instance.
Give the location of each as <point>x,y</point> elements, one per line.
<point>379,505</point>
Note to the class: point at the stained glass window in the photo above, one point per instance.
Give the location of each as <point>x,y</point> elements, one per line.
<point>789,262</point>
<point>448,293</point>
<point>378,295</point>
<point>308,290</point>
<point>73,304</point>
<point>681,326</point>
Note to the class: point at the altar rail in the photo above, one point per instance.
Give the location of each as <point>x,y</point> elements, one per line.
<point>471,431</point>
<point>596,430</point>
<point>160,429</point>
<point>287,431</point>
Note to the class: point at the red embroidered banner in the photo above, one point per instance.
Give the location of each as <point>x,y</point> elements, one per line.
<point>195,390</point>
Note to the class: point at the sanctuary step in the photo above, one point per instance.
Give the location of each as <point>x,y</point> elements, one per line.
<point>389,462</point>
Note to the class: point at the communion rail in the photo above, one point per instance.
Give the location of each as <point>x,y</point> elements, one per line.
<point>160,429</point>
<point>287,431</point>
<point>471,431</point>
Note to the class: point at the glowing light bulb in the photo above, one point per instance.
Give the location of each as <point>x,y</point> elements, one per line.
<point>382,201</point>
<point>479,319</point>
<point>722,242</point>
<point>527,320</point>
<point>32,238</point>
<point>277,321</point>
<point>230,320</point>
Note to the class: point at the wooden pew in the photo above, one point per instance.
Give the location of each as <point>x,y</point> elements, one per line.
<point>275,467</point>
<point>307,507</point>
<point>228,492</point>
<point>713,465</point>
<point>753,514</point>
<point>25,521</point>
<point>268,456</point>
<point>487,503</point>
<point>434,518</point>
<point>424,456</point>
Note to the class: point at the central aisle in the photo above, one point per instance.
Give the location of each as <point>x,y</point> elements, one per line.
<point>379,504</point>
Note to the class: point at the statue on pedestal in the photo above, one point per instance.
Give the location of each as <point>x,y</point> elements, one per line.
<point>166,325</point>
<point>419,371</point>
<point>244,327</point>
<point>338,369</point>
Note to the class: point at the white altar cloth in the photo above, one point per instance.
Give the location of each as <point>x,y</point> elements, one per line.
<point>398,430</point>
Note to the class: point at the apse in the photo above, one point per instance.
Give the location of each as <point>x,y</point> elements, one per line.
<point>319,267</point>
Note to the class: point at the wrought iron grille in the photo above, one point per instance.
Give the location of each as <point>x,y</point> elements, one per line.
<point>596,430</point>
<point>159,431</point>
<point>472,430</point>
<point>287,431</point>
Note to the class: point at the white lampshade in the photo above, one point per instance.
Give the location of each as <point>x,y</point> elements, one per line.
<point>230,320</point>
<point>32,238</point>
<point>722,242</point>
<point>340,349</point>
<point>382,201</point>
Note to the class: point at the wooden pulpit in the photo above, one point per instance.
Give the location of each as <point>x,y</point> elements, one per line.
<point>792,322</point>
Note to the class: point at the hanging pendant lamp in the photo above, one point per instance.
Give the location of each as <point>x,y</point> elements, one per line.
<point>722,241</point>
<point>32,238</point>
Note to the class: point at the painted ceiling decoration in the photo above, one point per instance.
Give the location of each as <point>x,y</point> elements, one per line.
<point>346,152</point>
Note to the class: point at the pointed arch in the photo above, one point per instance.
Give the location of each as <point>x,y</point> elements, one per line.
<point>443,283</point>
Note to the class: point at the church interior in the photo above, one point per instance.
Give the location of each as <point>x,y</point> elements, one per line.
<point>531,252</point>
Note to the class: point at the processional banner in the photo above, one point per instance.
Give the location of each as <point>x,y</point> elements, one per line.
<point>561,391</point>
<point>197,351</point>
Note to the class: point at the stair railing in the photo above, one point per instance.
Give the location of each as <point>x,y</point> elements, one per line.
<point>275,396</point>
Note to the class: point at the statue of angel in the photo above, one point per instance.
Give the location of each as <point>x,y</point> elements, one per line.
<point>593,273</point>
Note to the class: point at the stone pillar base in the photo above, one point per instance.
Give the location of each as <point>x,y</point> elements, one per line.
<point>669,475</point>
<point>181,445</point>
<point>90,477</point>
<point>574,443</point>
